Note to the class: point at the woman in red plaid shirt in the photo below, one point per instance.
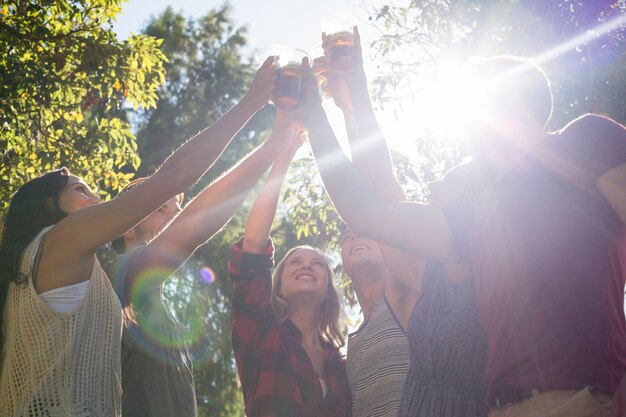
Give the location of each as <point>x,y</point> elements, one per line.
<point>285,332</point>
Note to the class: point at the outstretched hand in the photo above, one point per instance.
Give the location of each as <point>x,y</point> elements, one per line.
<point>344,81</point>
<point>335,84</point>
<point>264,82</point>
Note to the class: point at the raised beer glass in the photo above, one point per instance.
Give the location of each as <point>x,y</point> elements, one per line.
<point>340,46</point>
<point>288,90</point>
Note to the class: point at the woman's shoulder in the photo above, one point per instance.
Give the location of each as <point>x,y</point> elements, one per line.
<point>30,253</point>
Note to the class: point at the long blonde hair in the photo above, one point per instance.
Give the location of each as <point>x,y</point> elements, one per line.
<point>330,309</point>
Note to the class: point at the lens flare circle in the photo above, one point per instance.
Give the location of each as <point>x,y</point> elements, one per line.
<point>207,275</point>
<point>158,333</point>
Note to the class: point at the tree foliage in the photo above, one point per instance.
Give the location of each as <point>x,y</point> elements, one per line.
<point>65,79</point>
<point>207,73</point>
<point>565,37</point>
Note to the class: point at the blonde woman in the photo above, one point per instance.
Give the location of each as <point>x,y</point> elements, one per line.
<point>285,334</point>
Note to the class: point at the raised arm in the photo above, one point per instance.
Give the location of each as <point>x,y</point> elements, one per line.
<point>370,155</point>
<point>215,205</point>
<point>597,152</point>
<point>415,228</point>
<point>612,148</point>
<point>250,268</point>
<point>75,239</point>
<point>368,147</point>
<point>259,223</point>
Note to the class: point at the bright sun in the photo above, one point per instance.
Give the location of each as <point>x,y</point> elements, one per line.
<point>442,106</point>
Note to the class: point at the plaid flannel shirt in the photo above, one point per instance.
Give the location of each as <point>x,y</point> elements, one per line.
<point>276,374</point>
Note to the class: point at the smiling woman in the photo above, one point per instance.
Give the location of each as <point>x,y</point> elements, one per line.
<point>286,334</point>
<point>303,278</point>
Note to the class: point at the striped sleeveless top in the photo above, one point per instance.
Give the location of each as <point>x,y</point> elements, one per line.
<point>378,363</point>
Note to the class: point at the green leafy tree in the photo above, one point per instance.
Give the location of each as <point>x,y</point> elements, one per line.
<point>65,79</point>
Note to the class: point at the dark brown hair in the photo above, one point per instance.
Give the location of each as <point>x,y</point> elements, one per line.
<point>33,207</point>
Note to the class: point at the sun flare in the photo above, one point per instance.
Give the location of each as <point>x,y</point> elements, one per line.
<point>441,104</point>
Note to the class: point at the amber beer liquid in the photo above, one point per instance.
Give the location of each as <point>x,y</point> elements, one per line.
<point>341,51</point>
<point>288,86</point>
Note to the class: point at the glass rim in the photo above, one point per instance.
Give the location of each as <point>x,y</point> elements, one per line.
<point>338,22</point>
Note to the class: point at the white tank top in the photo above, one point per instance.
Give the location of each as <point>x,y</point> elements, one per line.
<point>65,299</point>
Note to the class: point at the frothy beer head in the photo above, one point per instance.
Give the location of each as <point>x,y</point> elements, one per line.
<point>288,90</point>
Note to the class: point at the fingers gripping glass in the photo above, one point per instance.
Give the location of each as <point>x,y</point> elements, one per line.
<point>288,89</point>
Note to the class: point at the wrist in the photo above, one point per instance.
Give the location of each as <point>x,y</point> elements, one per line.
<point>283,160</point>
<point>270,148</point>
<point>313,116</point>
<point>357,79</point>
<point>252,102</point>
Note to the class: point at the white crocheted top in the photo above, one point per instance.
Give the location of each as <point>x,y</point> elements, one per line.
<point>61,364</point>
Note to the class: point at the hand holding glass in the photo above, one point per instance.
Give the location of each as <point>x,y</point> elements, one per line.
<point>288,90</point>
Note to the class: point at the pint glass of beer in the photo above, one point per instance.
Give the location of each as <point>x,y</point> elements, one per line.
<point>340,47</point>
<point>288,91</point>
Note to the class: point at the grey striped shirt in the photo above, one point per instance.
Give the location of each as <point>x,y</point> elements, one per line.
<point>378,363</point>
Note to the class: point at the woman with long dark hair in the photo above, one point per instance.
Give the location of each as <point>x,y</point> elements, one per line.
<point>61,319</point>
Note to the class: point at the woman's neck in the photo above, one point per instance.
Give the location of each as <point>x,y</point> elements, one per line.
<point>307,320</point>
<point>369,286</point>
